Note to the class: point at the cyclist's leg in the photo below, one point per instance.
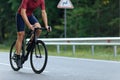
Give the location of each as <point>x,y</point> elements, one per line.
<point>38,31</point>
<point>33,20</point>
<point>20,37</point>
<point>20,33</point>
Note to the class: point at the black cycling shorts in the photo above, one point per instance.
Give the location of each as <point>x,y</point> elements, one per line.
<point>21,24</point>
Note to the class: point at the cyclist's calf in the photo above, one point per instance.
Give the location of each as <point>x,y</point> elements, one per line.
<point>20,37</point>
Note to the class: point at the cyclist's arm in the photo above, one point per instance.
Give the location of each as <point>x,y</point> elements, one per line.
<point>44,17</point>
<point>24,16</point>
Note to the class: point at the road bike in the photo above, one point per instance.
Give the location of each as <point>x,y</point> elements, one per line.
<point>36,49</point>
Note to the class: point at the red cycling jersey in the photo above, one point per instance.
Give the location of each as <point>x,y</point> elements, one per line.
<point>31,5</point>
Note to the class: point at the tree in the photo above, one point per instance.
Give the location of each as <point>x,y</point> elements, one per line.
<point>92,19</point>
<point>6,20</point>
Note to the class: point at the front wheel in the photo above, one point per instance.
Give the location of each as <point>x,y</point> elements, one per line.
<point>38,57</point>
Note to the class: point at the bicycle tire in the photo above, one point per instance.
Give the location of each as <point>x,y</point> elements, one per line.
<point>12,62</point>
<point>41,54</point>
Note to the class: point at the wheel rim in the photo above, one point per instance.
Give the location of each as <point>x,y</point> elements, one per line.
<point>39,58</point>
<point>12,60</point>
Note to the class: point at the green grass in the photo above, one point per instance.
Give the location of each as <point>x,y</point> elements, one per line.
<point>4,48</point>
<point>101,52</point>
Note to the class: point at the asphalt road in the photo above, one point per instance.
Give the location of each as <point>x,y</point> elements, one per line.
<point>63,68</point>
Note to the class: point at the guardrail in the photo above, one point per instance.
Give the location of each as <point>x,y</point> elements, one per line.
<point>112,41</point>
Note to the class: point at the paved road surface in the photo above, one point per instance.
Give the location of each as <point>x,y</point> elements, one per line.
<point>62,68</point>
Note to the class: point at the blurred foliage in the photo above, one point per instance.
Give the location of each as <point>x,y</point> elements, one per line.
<point>94,18</point>
<point>89,18</point>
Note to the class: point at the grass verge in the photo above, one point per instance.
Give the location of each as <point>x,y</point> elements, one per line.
<point>101,52</point>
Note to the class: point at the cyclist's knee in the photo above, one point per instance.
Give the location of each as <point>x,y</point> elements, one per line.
<point>37,25</point>
<point>20,36</point>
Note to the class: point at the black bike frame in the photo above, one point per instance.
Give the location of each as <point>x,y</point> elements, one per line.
<point>25,56</point>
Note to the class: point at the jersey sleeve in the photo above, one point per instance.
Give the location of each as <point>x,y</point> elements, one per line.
<point>24,4</point>
<point>42,5</point>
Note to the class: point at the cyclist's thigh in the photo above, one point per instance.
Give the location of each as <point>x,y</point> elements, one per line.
<point>33,20</point>
<point>20,23</point>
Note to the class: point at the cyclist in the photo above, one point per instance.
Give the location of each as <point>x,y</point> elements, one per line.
<point>25,16</point>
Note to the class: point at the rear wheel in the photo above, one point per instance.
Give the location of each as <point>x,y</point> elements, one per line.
<point>12,59</point>
<point>38,57</point>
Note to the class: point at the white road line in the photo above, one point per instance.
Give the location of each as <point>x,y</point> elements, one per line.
<point>27,68</point>
<point>5,64</point>
<point>83,59</point>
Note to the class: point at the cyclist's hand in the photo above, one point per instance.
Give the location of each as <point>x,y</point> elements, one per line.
<point>31,27</point>
<point>49,29</point>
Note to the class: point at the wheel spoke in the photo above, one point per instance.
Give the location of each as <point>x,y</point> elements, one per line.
<point>38,58</point>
